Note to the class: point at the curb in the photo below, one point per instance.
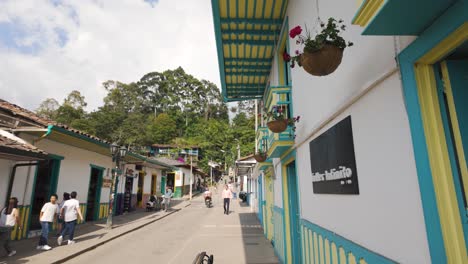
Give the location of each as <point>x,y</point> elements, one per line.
<point>74,255</point>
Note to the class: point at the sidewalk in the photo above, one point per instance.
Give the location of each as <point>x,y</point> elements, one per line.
<point>88,236</point>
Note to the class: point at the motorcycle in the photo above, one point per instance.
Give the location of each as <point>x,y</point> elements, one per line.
<point>208,200</point>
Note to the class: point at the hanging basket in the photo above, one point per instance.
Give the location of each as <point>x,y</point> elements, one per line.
<point>260,157</point>
<point>278,126</point>
<point>323,61</point>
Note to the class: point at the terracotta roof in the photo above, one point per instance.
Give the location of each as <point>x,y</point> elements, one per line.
<point>16,110</point>
<point>170,162</point>
<point>10,144</point>
<point>30,116</point>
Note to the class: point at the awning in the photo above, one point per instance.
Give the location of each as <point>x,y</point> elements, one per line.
<point>247,32</point>
<point>399,17</point>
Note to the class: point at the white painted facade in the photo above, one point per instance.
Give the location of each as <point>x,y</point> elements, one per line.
<point>75,168</point>
<point>387,216</point>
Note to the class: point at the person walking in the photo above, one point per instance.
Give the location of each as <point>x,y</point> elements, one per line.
<point>71,211</point>
<point>227,196</point>
<point>167,198</point>
<point>9,217</point>
<point>61,222</point>
<point>47,216</point>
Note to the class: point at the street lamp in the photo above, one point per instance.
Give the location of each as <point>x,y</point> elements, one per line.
<point>118,153</point>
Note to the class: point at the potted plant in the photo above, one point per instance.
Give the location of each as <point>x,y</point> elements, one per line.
<point>276,119</point>
<point>260,156</point>
<point>322,54</point>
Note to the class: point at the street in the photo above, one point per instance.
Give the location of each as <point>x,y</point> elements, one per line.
<point>234,238</point>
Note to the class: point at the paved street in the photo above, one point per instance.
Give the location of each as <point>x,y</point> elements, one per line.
<point>235,238</point>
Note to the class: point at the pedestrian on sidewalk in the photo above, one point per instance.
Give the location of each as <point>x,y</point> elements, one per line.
<point>71,211</point>
<point>61,222</point>
<point>167,198</point>
<point>47,216</point>
<point>9,217</point>
<point>227,196</point>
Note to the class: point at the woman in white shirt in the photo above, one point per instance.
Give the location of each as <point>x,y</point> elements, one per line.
<point>9,217</point>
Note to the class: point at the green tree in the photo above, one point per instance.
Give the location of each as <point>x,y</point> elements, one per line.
<point>48,108</point>
<point>161,130</point>
<point>72,109</point>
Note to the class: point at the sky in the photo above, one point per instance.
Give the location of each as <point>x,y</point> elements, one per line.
<point>50,47</point>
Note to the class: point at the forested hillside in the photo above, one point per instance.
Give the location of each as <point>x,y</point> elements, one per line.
<point>164,108</point>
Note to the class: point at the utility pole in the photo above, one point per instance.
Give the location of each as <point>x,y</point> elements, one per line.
<point>191,177</point>
<point>211,172</point>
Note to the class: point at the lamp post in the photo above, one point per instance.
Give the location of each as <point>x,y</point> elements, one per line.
<point>117,153</point>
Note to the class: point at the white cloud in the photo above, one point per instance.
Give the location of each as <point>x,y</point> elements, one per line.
<point>118,40</point>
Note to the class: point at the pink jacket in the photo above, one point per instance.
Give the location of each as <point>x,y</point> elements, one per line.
<point>227,194</point>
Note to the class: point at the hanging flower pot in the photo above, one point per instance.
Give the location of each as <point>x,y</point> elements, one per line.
<point>322,62</point>
<point>322,53</point>
<point>260,157</point>
<point>278,126</point>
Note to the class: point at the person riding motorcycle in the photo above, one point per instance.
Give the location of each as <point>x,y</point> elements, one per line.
<point>207,196</point>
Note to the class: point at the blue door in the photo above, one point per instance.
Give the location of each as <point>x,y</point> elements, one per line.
<point>294,213</point>
<point>260,200</point>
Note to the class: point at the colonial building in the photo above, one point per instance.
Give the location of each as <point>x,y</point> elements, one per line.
<point>375,171</point>
<point>57,159</point>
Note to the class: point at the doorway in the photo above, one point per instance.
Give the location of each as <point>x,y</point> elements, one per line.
<point>44,186</point>
<point>141,182</point>
<point>453,94</point>
<point>163,184</point>
<point>153,184</point>
<point>94,194</point>
<point>293,214</point>
<point>170,180</point>
<point>127,204</point>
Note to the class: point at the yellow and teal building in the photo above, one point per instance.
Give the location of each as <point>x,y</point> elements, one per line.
<point>377,171</point>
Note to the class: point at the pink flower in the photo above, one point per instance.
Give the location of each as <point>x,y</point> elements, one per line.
<point>297,52</point>
<point>286,57</point>
<point>295,31</point>
<point>292,64</point>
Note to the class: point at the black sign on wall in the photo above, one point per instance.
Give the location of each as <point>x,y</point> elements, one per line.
<point>333,162</point>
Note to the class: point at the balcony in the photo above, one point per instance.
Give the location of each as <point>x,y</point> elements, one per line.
<point>275,144</point>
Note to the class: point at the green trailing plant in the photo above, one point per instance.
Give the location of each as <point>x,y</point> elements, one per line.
<point>278,113</point>
<point>330,34</point>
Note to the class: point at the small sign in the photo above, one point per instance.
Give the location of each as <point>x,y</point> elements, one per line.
<point>333,161</point>
<point>106,182</point>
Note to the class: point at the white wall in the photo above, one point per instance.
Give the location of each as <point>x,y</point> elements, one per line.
<point>5,170</point>
<point>387,215</point>
<point>75,169</point>
<point>277,183</point>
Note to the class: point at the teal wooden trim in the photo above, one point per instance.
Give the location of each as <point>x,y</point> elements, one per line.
<point>79,136</point>
<point>231,61</point>
<point>280,242</point>
<point>32,199</point>
<point>229,68</point>
<point>97,167</point>
<point>55,157</point>
<point>284,189</point>
<point>55,176</point>
<point>448,22</point>
<point>252,32</point>
<point>97,198</point>
<point>283,8</point>
<point>349,246</point>
<point>255,74</point>
<point>219,44</point>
